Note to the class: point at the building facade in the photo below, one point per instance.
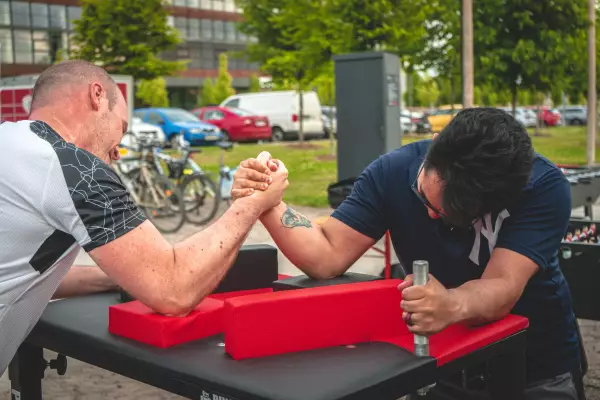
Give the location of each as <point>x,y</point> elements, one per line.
<point>31,31</point>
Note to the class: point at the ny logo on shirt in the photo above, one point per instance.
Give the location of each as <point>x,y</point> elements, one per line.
<point>485,228</point>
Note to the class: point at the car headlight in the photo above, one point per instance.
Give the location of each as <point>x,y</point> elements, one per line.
<point>195,130</point>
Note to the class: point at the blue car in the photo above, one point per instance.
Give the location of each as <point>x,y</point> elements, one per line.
<point>174,121</point>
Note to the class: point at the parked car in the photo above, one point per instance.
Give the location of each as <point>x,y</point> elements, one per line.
<point>236,124</point>
<point>574,115</point>
<point>145,131</point>
<point>525,118</point>
<point>442,116</point>
<point>421,122</point>
<point>406,123</point>
<point>282,107</point>
<point>174,121</point>
<point>327,121</point>
<point>549,117</point>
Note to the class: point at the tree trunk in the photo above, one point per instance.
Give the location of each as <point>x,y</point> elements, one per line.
<point>301,116</point>
<point>409,83</point>
<point>467,53</point>
<point>331,124</point>
<point>591,123</point>
<point>538,102</point>
<point>452,82</point>
<point>515,94</point>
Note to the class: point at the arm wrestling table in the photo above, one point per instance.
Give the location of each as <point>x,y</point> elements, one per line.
<point>201,369</point>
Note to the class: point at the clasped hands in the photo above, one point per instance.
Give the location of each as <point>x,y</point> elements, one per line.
<point>255,175</point>
<point>432,307</point>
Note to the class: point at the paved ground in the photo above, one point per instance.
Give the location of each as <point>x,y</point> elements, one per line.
<point>83,381</point>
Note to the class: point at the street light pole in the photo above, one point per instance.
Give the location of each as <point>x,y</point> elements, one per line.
<point>467,52</point>
<point>591,123</point>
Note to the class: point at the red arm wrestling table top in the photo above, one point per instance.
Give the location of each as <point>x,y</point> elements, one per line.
<point>262,323</point>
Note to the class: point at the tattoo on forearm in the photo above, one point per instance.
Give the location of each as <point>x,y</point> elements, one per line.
<point>292,219</point>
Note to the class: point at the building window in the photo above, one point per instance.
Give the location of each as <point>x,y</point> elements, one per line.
<point>230,5</point>
<point>241,36</point>
<point>4,13</point>
<point>39,15</point>
<point>72,46</point>
<point>41,47</point>
<point>6,47</point>
<point>58,17</point>
<point>218,30</point>
<point>22,46</point>
<point>179,3</point>
<point>74,13</point>
<point>193,29</point>
<point>207,58</point>
<point>230,31</point>
<point>181,26</point>
<point>195,55</point>
<point>171,21</point>
<point>218,5</point>
<point>206,26</point>
<point>193,3</point>
<point>20,14</point>
<point>205,4</point>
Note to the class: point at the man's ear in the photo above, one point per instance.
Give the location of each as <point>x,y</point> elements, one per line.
<point>96,94</point>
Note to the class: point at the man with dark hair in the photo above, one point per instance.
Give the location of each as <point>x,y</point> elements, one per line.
<point>483,208</point>
<point>58,194</point>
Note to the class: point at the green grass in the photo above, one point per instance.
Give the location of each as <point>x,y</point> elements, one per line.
<point>311,171</point>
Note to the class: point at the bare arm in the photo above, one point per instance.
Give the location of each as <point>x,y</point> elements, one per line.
<point>321,252</point>
<point>82,280</point>
<point>173,279</point>
<point>495,294</point>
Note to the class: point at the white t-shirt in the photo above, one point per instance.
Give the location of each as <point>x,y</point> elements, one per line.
<point>55,199</point>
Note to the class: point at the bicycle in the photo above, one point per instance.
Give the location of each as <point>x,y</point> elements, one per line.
<point>156,195</point>
<point>198,186</point>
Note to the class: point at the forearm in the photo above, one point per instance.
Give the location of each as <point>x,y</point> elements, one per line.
<point>483,300</point>
<point>302,242</point>
<point>202,260</point>
<point>84,280</point>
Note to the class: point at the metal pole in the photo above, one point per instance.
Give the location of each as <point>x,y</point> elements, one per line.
<point>467,53</point>
<point>421,277</point>
<point>591,123</point>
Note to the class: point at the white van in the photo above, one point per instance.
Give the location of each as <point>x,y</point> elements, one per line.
<point>283,109</point>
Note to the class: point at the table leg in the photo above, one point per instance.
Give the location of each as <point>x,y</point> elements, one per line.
<point>506,375</point>
<point>26,372</point>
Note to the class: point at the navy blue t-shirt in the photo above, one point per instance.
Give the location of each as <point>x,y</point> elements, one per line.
<point>382,199</point>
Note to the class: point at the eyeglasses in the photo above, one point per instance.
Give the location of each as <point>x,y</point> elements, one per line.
<point>423,198</point>
<point>453,222</point>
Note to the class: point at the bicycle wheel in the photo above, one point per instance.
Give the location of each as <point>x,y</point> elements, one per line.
<point>161,202</point>
<point>200,198</point>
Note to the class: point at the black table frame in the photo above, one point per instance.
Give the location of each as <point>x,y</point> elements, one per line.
<point>505,359</point>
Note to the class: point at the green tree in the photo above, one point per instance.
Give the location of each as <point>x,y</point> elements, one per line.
<point>223,88</point>
<point>254,84</point>
<point>208,95</point>
<point>153,92</point>
<point>60,56</point>
<point>428,92</point>
<point>126,36</point>
<point>527,44</point>
<point>441,49</point>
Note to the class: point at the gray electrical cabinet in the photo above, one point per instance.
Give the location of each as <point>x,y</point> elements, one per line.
<point>368,102</point>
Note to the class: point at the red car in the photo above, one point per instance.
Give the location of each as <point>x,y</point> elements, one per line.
<point>237,125</point>
<point>549,117</point>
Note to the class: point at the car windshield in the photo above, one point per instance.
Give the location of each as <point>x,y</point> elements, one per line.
<point>175,115</point>
<point>240,112</point>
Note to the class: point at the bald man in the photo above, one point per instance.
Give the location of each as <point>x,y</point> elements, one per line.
<point>58,195</point>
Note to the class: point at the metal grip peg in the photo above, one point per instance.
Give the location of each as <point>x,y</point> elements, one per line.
<point>421,277</point>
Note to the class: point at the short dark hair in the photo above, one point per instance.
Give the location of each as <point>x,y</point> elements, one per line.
<point>484,157</point>
<point>69,72</point>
